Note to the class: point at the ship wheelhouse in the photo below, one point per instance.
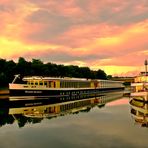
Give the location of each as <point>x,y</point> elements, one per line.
<point>140,84</point>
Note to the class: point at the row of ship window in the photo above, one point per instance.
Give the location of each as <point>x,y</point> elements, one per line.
<point>69,106</point>
<point>74,105</point>
<point>76,97</point>
<point>79,92</point>
<point>75,84</point>
<point>88,84</point>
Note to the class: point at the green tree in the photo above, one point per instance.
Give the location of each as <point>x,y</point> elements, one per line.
<point>37,67</point>
<point>109,77</point>
<point>10,71</point>
<point>23,67</point>
<point>100,74</point>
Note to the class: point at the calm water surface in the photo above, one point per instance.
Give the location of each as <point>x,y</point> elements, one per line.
<point>99,126</point>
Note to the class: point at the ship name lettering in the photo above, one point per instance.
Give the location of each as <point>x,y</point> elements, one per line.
<point>35,91</point>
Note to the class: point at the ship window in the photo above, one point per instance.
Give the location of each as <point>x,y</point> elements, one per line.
<point>68,84</point>
<point>54,84</point>
<point>41,83</point>
<point>49,83</point>
<point>45,83</point>
<point>28,82</point>
<point>36,83</point>
<point>61,84</point>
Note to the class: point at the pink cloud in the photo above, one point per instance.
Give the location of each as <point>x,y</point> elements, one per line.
<point>28,29</point>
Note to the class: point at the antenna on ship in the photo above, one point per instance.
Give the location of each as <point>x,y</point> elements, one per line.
<point>145,63</point>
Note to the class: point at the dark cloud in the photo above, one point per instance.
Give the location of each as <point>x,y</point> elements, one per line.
<point>55,25</point>
<point>126,14</point>
<point>64,56</point>
<point>7,8</point>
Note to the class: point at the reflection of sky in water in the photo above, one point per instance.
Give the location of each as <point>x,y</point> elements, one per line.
<point>110,126</point>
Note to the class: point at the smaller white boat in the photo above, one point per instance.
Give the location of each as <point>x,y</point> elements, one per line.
<point>139,89</point>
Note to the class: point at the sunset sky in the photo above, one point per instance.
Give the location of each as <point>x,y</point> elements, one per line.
<point>111,35</point>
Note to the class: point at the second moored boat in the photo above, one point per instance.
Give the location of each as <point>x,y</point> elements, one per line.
<point>140,86</point>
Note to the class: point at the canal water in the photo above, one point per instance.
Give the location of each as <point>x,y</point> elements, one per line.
<point>105,122</point>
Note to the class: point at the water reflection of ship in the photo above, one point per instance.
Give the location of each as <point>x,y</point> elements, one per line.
<point>139,111</point>
<point>58,109</point>
<point>36,112</point>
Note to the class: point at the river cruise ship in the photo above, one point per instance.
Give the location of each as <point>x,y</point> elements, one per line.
<point>61,88</point>
<point>139,89</point>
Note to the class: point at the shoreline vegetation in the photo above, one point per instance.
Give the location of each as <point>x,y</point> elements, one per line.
<point>37,68</point>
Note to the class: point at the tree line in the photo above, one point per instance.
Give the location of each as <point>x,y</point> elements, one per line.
<point>37,68</point>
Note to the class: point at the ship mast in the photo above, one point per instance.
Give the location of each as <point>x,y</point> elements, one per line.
<point>146,63</point>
